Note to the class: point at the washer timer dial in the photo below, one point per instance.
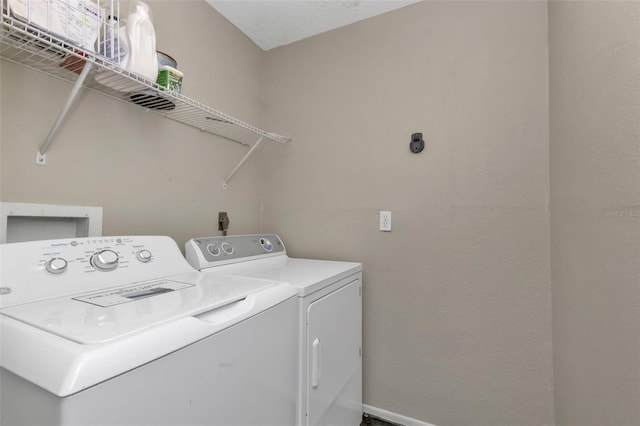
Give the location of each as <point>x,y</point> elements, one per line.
<point>105,260</point>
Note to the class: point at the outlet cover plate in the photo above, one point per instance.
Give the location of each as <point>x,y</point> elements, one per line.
<point>385,221</point>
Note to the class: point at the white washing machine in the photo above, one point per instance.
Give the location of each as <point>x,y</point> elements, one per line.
<point>330,319</point>
<point>123,331</point>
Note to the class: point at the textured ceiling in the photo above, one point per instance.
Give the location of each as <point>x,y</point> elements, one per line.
<point>273,23</point>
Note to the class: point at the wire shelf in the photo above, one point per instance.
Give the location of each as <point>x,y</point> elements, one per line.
<point>36,49</point>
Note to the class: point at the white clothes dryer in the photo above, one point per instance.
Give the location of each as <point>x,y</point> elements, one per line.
<point>330,319</point>
<point>123,331</point>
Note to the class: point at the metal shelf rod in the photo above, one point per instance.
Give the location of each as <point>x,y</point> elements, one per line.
<point>247,155</point>
<point>72,97</point>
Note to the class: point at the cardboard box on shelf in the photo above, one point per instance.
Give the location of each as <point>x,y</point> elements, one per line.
<point>76,21</point>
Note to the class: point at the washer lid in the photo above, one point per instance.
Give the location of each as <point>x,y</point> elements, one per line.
<point>103,316</point>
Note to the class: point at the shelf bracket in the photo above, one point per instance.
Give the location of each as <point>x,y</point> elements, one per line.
<point>41,157</point>
<point>247,155</point>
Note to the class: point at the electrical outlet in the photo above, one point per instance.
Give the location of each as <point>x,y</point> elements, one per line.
<point>385,221</point>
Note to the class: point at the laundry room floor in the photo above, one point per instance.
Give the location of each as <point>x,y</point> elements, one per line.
<point>369,420</point>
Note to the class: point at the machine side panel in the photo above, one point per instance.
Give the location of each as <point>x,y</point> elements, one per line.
<point>240,376</point>
<point>23,403</point>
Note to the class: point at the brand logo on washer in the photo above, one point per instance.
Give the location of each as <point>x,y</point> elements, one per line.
<point>5,290</point>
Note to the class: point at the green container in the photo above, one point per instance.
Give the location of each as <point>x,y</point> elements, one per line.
<point>170,78</point>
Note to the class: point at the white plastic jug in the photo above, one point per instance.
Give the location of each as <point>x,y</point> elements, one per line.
<point>113,43</point>
<point>141,38</point>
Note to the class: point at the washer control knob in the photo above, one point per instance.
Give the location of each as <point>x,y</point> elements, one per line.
<point>227,248</point>
<point>57,265</point>
<point>213,249</point>
<point>144,256</point>
<point>105,260</point>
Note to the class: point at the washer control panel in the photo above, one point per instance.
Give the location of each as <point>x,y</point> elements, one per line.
<point>39,269</point>
<point>212,251</point>
<point>104,255</point>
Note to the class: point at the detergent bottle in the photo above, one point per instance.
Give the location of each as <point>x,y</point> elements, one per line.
<point>113,43</point>
<point>141,39</point>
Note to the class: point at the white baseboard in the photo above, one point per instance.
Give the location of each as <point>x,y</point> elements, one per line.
<point>393,417</point>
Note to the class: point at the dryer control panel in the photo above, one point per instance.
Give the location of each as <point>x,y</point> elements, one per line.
<point>216,251</point>
<point>37,270</point>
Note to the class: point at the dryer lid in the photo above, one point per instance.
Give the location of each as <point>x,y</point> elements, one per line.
<point>103,316</point>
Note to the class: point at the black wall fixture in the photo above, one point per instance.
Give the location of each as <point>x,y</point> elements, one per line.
<point>417,143</point>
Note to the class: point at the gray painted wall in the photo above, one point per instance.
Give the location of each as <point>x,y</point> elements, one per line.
<point>457,298</point>
<point>595,210</point>
<point>457,303</point>
<point>151,175</point>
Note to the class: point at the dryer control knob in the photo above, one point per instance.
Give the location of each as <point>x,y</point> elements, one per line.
<point>105,260</point>
<point>144,256</point>
<point>213,249</point>
<point>266,244</point>
<point>227,248</point>
<point>57,265</point>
